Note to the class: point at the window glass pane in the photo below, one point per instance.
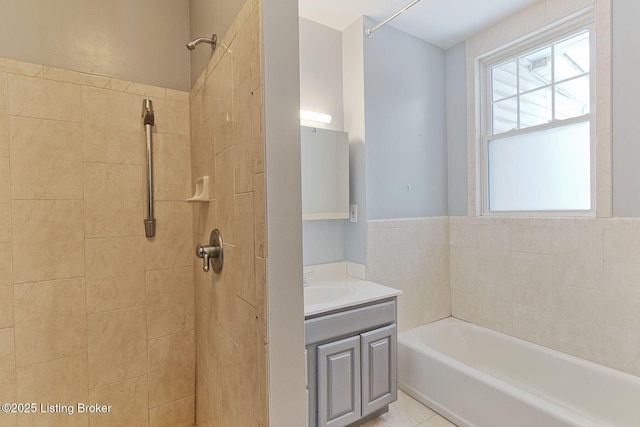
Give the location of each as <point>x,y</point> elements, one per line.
<point>545,170</point>
<point>505,115</point>
<point>572,57</point>
<point>535,69</point>
<point>572,98</point>
<point>535,108</point>
<point>504,81</point>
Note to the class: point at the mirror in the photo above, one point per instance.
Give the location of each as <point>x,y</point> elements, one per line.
<point>325,173</point>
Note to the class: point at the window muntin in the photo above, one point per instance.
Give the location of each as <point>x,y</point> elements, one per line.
<point>542,85</point>
<point>537,140</point>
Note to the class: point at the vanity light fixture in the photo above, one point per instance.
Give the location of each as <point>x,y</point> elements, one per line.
<point>311,116</point>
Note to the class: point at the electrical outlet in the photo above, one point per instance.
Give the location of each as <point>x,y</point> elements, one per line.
<point>353,213</point>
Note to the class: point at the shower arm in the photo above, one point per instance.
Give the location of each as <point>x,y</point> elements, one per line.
<point>148,119</point>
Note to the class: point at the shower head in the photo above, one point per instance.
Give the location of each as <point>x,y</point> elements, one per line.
<point>213,41</point>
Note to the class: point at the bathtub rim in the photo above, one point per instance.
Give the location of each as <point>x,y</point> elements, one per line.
<point>547,406</point>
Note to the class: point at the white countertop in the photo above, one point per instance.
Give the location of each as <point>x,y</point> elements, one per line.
<point>323,296</point>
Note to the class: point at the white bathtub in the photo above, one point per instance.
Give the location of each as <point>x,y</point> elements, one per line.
<point>477,377</point>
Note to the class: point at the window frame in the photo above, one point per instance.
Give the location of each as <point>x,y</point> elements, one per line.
<point>544,37</point>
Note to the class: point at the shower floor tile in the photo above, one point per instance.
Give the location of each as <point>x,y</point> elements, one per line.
<point>408,412</point>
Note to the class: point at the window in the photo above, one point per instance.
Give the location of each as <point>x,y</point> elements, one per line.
<point>537,149</point>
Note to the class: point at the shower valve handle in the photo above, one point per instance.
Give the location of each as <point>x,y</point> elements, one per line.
<point>212,253</point>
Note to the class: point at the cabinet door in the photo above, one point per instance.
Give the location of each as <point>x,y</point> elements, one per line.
<point>379,369</point>
<point>339,382</point>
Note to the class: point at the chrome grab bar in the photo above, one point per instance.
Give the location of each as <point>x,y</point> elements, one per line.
<point>148,119</point>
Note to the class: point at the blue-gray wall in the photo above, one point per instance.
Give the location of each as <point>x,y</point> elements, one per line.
<point>626,93</point>
<point>457,129</point>
<point>405,126</point>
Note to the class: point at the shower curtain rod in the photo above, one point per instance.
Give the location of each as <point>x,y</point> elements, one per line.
<point>369,31</point>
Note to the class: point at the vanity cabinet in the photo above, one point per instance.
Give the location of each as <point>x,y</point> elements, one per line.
<point>351,364</point>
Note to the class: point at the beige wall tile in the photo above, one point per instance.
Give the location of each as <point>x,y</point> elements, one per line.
<point>496,312</point>
<point>177,95</point>
<point>179,413</point>
<point>259,211</point>
<point>257,134</point>
<point>62,381</point>
<point>581,339</point>
<point>50,320</point>
<point>171,372</point>
<point>170,301</point>
<point>579,305</point>
<point>56,147</point>
<point>6,287</point>
<point>5,201</point>
<point>245,362</point>
<point>243,144</point>
<point>120,110</point>
<point>622,245</point>
<point>578,257</point>
<point>7,374</point>
<point>18,67</point>
<point>464,269</point>
<point>173,244</point>
<point>245,250</point>
<point>54,225</point>
<point>171,167</point>
<point>60,75</point>
<point>106,143</point>
<point>203,316</point>
<point>533,325</point>
<point>4,116</point>
<point>44,99</point>
<point>622,278</point>
<point>464,305</point>
<point>5,222</point>
<point>203,404</point>
<point>230,415</point>
<point>222,81</point>
<point>128,400</point>
<point>146,90</point>
<point>115,273</point>
<point>171,116</point>
<point>537,240</point>
<point>621,310</point>
<point>117,346</point>
<point>465,235</point>
<point>619,344</point>
<point>113,200</point>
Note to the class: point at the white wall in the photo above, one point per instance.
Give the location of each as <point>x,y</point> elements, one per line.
<point>321,72</point>
<point>354,123</point>
<point>321,91</point>
<point>141,41</point>
<point>285,303</point>
<point>406,145</point>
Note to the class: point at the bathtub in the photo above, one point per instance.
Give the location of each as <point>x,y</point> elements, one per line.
<point>477,377</point>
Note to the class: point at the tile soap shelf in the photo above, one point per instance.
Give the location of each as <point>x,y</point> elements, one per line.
<point>202,191</point>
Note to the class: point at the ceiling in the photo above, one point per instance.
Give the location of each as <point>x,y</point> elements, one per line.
<point>443,23</point>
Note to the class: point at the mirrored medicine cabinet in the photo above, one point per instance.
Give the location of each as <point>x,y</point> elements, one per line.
<point>325,173</point>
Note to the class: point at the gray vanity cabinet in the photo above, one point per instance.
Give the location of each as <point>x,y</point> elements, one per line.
<point>379,380</point>
<point>351,364</point>
<point>339,377</point>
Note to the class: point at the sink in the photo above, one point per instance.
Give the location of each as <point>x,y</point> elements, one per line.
<point>323,294</point>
